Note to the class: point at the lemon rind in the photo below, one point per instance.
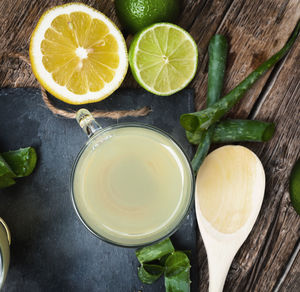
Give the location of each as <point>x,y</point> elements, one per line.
<point>45,78</point>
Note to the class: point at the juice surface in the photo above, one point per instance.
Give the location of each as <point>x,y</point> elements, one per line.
<point>132,185</point>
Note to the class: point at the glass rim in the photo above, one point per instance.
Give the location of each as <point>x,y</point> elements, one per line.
<point>137,125</point>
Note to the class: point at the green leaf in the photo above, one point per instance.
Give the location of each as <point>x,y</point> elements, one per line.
<point>155,251</point>
<point>202,149</point>
<point>22,161</point>
<point>202,120</point>
<point>162,260</point>
<point>176,263</point>
<point>150,273</point>
<point>196,137</point>
<point>229,131</point>
<point>6,181</point>
<point>179,283</point>
<point>177,272</point>
<point>217,51</point>
<point>5,169</point>
<point>188,253</point>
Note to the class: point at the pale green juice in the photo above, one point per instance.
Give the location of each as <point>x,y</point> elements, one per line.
<point>132,185</point>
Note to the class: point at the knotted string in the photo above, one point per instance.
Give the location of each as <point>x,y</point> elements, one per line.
<point>71,114</point>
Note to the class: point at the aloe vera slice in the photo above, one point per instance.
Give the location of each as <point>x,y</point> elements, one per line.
<point>21,161</point>
<point>148,273</point>
<point>5,169</point>
<point>6,181</point>
<point>202,120</point>
<point>177,272</point>
<point>155,251</point>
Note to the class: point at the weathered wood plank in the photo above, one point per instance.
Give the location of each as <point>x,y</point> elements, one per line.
<point>281,104</point>
<point>201,18</point>
<point>292,281</point>
<point>255,30</point>
<point>15,32</point>
<point>263,257</point>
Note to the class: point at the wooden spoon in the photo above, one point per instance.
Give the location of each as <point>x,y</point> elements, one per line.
<point>230,187</point>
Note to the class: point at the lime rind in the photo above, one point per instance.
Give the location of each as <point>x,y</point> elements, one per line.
<point>181,46</point>
<point>135,15</point>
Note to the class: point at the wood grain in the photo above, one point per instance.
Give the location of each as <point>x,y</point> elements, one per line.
<point>256,30</point>
<point>15,32</point>
<point>292,281</point>
<point>280,104</point>
<point>266,252</point>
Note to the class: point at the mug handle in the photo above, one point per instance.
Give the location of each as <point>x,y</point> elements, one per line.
<point>87,122</point>
<point>6,229</point>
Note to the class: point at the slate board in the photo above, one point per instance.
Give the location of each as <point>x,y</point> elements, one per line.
<point>51,249</point>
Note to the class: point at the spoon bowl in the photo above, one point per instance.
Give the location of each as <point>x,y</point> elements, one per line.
<point>230,188</point>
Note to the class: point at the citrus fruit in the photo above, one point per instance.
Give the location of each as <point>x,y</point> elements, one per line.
<point>138,14</point>
<point>295,186</point>
<point>78,54</point>
<point>163,58</point>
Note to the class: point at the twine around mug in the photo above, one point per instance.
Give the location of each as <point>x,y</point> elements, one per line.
<point>72,114</point>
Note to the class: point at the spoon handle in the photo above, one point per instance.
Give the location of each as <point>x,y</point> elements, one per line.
<point>218,265</point>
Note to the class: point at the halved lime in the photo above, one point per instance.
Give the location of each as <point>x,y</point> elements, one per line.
<point>163,58</point>
<point>295,186</point>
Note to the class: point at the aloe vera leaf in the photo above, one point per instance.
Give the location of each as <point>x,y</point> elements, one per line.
<point>6,181</point>
<point>149,273</point>
<point>243,130</point>
<point>22,161</point>
<point>202,120</point>
<point>229,131</point>
<point>5,169</point>
<point>217,51</point>
<point>177,273</point>
<point>155,251</point>
<point>203,148</point>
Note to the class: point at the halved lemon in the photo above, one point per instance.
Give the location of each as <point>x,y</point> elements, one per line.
<point>78,54</point>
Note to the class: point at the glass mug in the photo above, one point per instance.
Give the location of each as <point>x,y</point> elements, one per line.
<point>4,251</point>
<point>131,184</point>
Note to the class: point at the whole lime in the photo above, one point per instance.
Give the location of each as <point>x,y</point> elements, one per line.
<point>135,15</point>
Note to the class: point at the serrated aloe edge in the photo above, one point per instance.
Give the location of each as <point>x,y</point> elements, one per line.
<point>202,120</point>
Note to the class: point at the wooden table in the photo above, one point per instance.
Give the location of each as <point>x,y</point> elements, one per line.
<point>270,258</point>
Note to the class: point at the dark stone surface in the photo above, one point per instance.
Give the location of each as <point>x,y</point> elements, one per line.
<point>51,249</point>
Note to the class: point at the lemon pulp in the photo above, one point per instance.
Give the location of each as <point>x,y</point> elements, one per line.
<point>79,52</point>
